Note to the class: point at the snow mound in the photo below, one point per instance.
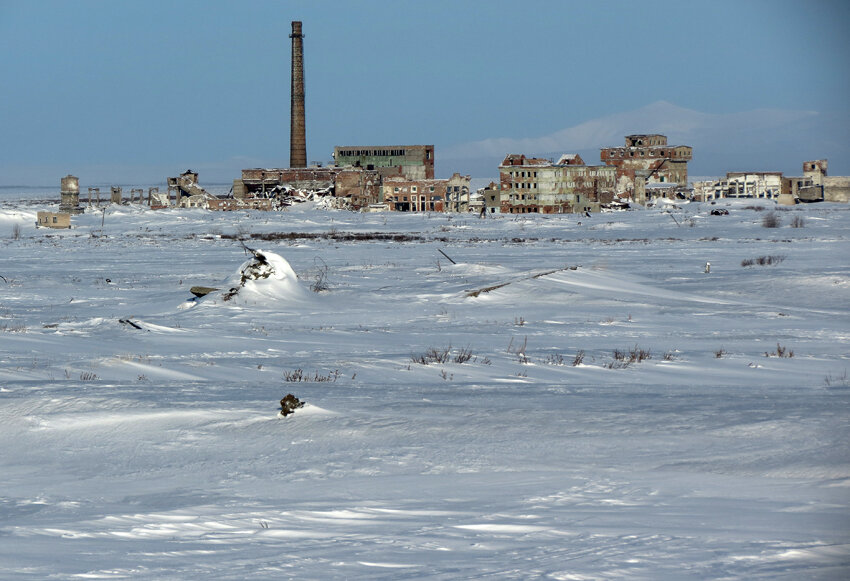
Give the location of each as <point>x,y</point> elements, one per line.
<point>266,277</point>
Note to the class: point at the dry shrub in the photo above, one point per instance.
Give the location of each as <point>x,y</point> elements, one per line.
<point>763,260</point>
<point>771,220</point>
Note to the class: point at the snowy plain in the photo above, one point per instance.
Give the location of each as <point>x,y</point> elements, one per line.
<point>153,450</point>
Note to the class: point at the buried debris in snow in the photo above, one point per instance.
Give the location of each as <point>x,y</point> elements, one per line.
<point>289,404</point>
<point>131,323</point>
<point>202,291</point>
<point>487,289</point>
<point>263,279</point>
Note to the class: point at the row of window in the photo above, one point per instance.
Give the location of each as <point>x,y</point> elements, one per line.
<point>563,173</point>
<point>561,185</point>
<point>413,198</point>
<point>415,189</point>
<point>662,153</point>
<point>372,152</point>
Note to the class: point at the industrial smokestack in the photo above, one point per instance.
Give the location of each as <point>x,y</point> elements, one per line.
<point>297,125</point>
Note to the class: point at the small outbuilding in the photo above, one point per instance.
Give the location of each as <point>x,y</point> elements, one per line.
<point>53,220</point>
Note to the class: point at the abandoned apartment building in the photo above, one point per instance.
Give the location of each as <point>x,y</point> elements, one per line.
<point>537,185</point>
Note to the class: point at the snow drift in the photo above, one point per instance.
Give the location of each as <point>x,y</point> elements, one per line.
<point>266,277</point>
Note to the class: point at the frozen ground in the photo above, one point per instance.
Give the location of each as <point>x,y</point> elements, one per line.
<point>156,452</point>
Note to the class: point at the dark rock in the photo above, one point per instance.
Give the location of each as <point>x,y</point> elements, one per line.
<point>289,404</point>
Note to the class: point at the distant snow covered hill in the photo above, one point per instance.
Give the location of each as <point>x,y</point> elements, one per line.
<point>757,140</point>
<point>572,398</point>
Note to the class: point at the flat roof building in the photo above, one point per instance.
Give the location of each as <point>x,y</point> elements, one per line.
<point>415,162</point>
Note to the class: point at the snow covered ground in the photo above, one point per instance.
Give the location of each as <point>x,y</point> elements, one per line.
<point>536,449</point>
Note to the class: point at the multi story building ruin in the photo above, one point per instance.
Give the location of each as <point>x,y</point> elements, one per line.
<point>649,159</point>
<point>415,162</point>
<point>532,185</point>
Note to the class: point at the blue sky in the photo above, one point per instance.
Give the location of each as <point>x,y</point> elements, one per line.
<point>130,92</point>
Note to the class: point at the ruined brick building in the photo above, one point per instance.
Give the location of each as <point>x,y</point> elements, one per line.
<point>356,179</point>
<point>356,186</point>
<point>646,159</point>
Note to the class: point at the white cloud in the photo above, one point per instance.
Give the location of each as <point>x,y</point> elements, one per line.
<point>760,139</point>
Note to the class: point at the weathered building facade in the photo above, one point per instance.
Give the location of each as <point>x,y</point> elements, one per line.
<point>404,195</point>
<point>435,195</point>
<point>535,185</point>
<point>70,195</point>
<point>53,220</point>
<point>650,158</point>
<point>457,193</point>
<point>835,188</point>
<point>415,162</point>
<point>492,198</point>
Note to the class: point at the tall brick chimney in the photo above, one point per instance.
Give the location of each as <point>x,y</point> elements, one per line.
<point>297,125</point>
